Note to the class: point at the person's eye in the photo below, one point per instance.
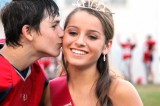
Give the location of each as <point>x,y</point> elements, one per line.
<point>92,37</point>
<point>54,26</point>
<point>73,33</point>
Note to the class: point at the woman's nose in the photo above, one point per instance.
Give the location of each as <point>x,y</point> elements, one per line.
<point>80,40</point>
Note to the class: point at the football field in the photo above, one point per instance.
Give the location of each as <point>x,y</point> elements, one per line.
<point>150,94</point>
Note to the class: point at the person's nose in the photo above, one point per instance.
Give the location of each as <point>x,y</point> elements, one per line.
<point>80,41</point>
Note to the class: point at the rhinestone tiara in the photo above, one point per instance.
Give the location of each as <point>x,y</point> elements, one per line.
<point>92,4</point>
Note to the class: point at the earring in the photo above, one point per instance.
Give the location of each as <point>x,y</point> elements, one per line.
<point>104,57</point>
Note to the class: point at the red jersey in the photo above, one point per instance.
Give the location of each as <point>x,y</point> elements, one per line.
<point>45,62</point>
<point>150,45</point>
<point>20,91</point>
<point>60,95</point>
<point>127,49</point>
<point>148,56</point>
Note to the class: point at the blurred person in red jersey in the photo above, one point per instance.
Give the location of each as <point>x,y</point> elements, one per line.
<point>148,58</point>
<point>127,49</point>
<point>50,65</point>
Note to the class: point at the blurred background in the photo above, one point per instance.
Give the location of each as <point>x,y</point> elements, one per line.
<point>134,20</point>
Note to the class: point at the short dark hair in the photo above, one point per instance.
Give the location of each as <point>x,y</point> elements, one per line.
<point>18,13</point>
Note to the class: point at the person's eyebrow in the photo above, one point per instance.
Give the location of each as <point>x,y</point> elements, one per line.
<point>88,30</point>
<point>95,31</point>
<point>72,27</point>
<point>56,22</point>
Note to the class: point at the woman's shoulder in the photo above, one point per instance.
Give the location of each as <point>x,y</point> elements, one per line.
<point>123,93</point>
<point>119,85</point>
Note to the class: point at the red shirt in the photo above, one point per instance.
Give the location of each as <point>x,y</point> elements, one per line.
<point>45,62</point>
<point>150,45</point>
<point>22,92</point>
<point>127,49</point>
<point>148,56</point>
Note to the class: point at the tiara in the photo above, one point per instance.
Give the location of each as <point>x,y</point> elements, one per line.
<point>92,4</point>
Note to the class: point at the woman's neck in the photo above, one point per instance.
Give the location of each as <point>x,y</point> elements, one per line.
<point>80,77</point>
<point>82,85</point>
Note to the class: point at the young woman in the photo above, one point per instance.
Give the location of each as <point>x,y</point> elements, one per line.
<point>87,40</point>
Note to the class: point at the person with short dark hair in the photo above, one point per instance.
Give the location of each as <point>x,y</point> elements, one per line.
<point>32,31</point>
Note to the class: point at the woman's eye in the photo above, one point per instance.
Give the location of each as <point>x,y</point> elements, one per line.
<point>92,37</point>
<point>73,33</point>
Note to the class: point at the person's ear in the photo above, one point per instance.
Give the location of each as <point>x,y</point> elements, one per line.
<point>107,47</point>
<point>26,31</point>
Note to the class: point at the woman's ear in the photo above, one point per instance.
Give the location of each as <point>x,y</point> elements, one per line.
<point>107,47</point>
<point>26,31</point>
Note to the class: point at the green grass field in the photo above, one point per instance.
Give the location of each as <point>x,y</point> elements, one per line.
<point>150,94</point>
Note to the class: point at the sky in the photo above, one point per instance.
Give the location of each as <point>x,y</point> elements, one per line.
<point>3,2</point>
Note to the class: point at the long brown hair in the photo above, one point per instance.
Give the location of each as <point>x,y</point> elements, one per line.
<point>104,81</point>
